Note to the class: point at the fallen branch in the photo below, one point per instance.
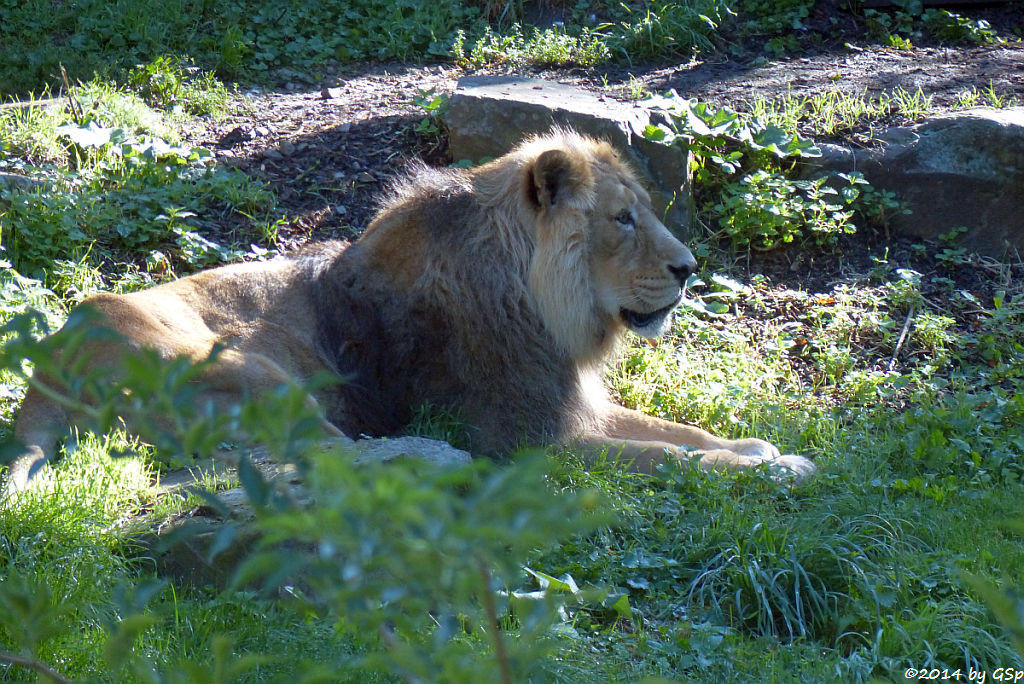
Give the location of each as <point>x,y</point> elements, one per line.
<point>33,664</point>
<point>903,337</point>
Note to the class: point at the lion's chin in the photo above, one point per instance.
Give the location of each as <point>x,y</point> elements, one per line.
<point>650,325</point>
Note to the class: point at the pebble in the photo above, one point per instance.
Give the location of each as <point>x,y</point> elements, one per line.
<point>287,148</point>
<point>271,153</point>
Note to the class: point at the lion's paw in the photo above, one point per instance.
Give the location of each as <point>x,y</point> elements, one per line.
<point>797,468</point>
<point>754,448</point>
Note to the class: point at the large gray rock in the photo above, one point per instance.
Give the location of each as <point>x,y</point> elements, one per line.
<point>961,169</point>
<point>438,453</point>
<point>199,548</point>
<point>15,181</point>
<point>488,115</point>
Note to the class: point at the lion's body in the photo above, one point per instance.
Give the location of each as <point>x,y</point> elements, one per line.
<point>499,293</point>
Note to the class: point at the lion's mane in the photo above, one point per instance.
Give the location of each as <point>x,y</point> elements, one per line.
<point>455,297</point>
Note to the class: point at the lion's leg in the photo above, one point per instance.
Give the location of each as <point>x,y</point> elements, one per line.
<point>645,441</point>
<point>41,425</point>
<point>233,377</point>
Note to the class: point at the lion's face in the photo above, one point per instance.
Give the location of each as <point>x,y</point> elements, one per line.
<point>638,269</point>
<point>603,262</point>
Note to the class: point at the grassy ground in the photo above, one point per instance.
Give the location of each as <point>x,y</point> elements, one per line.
<point>902,380</point>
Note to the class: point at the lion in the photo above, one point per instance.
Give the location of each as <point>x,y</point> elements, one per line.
<point>500,292</point>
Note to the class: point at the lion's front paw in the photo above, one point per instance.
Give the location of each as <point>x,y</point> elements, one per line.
<point>754,448</point>
<point>796,467</point>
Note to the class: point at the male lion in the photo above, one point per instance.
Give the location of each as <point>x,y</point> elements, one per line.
<point>499,292</point>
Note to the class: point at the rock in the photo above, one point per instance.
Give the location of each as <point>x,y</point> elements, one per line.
<point>235,136</point>
<point>488,115</point>
<point>432,451</point>
<point>287,148</point>
<point>14,181</point>
<point>960,169</point>
<point>271,153</point>
<point>183,547</point>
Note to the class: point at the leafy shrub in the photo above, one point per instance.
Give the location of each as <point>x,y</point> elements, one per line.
<point>765,209</point>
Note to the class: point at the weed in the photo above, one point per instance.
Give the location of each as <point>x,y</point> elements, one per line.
<point>434,105</point>
<point>989,97</point>
<point>637,90</point>
<point>667,28</point>
<point>550,46</point>
<point>113,187</point>
<point>910,19</point>
<point>174,83</point>
<point>835,113</point>
<point>739,162</point>
<point>952,27</point>
<point>765,209</point>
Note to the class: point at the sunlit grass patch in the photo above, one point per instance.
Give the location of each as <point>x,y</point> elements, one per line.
<point>108,477</point>
<point>836,113</point>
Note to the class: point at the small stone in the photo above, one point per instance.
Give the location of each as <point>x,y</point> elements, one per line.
<point>366,177</point>
<point>287,148</point>
<point>340,209</point>
<point>262,130</point>
<point>271,153</point>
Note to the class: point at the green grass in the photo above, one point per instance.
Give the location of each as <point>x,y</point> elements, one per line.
<point>258,41</point>
<point>115,186</point>
<point>834,113</point>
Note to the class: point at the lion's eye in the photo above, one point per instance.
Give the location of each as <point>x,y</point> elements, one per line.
<point>625,218</point>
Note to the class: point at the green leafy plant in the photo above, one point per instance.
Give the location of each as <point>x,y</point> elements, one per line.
<point>742,161</point>
<point>410,559</point>
<point>550,46</point>
<point>118,206</point>
<point>171,83</point>
<point>911,19</point>
<point>434,105</point>
<point>765,209</point>
<point>667,28</point>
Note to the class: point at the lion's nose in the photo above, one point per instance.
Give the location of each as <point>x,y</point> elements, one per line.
<point>683,270</point>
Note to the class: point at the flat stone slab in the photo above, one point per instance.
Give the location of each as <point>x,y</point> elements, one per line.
<point>192,546</point>
<point>489,115</point>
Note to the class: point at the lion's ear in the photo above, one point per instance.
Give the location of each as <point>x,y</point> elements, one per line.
<point>557,177</point>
